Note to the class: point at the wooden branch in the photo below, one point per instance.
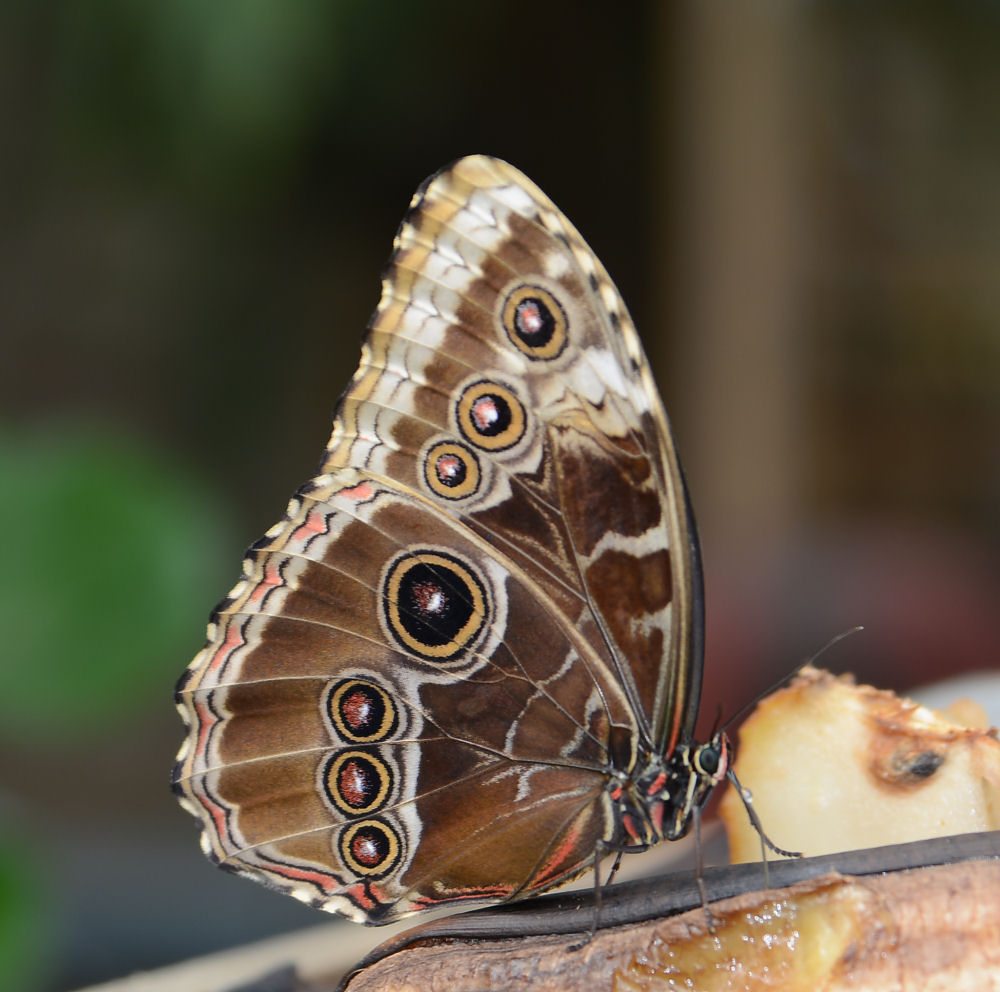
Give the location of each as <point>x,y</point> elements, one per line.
<point>929,928</point>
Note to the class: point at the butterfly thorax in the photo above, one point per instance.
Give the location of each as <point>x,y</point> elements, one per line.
<point>656,800</point>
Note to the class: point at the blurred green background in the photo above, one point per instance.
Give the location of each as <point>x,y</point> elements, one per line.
<point>799,200</point>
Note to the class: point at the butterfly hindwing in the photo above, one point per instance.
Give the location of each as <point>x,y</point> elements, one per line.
<point>341,616</point>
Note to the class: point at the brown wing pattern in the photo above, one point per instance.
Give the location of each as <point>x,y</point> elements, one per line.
<point>599,495</point>
<point>408,699</point>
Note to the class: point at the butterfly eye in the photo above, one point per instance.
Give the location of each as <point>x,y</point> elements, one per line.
<point>490,416</point>
<point>707,760</point>
<point>451,470</point>
<point>370,848</point>
<point>535,322</point>
<point>357,782</point>
<point>435,606</point>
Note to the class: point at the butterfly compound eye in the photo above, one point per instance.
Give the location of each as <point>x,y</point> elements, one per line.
<point>707,760</point>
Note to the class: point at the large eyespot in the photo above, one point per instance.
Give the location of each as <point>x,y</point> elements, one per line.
<point>361,711</point>
<point>452,470</point>
<point>535,322</point>
<point>490,416</point>
<point>369,848</point>
<point>356,782</point>
<point>435,605</point>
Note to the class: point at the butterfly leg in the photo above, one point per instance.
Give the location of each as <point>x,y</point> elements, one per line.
<point>614,868</point>
<point>747,801</point>
<point>600,850</point>
<point>699,872</point>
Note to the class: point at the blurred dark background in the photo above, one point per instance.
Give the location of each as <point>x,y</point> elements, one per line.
<point>799,201</point>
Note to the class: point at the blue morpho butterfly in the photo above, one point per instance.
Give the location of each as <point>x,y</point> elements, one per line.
<point>467,661</point>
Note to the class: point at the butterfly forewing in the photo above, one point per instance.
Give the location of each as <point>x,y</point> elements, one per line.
<point>410,698</point>
<point>590,496</point>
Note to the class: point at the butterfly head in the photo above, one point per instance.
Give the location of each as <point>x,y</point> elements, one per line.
<point>657,802</point>
<point>696,770</point>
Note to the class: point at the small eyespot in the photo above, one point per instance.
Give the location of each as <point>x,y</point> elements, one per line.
<point>535,322</point>
<point>490,416</point>
<point>361,711</point>
<point>452,470</point>
<point>370,848</point>
<point>357,782</point>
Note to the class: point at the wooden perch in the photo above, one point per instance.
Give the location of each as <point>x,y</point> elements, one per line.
<point>931,927</point>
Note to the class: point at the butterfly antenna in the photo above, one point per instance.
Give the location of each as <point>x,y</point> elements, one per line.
<point>745,795</point>
<point>811,660</point>
<point>717,721</point>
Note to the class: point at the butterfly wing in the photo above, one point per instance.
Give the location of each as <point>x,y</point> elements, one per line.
<point>375,677</point>
<point>600,512</point>
<point>409,697</point>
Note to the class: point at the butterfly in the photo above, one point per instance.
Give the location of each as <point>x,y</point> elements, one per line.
<point>466,664</point>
